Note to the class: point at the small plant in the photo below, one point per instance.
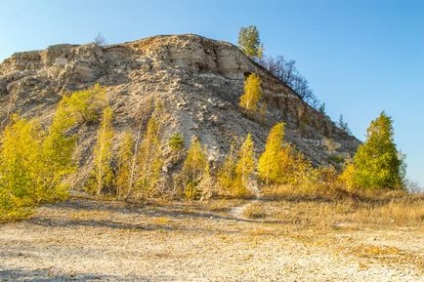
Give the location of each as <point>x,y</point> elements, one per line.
<point>162,221</point>
<point>176,142</point>
<point>100,40</point>
<point>254,211</point>
<point>190,191</point>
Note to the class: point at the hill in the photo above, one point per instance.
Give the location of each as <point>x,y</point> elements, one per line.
<point>198,81</point>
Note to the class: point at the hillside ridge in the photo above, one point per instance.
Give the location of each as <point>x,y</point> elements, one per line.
<point>198,81</point>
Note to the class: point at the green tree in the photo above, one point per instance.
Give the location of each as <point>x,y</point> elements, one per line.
<point>245,167</point>
<point>86,105</point>
<point>343,125</point>
<point>249,42</point>
<point>252,93</point>
<point>270,162</point>
<point>103,174</point>
<point>377,163</point>
<point>193,167</point>
<point>176,142</point>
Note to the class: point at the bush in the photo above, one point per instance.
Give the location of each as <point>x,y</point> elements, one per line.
<point>254,210</point>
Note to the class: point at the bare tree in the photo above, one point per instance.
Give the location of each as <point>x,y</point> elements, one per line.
<point>286,71</point>
<point>100,40</point>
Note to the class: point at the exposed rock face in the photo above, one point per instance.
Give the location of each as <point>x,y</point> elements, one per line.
<point>198,80</point>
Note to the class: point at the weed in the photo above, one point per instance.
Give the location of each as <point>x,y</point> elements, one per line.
<point>254,210</point>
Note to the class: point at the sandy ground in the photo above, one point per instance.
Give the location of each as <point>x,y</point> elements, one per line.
<point>87,240</point>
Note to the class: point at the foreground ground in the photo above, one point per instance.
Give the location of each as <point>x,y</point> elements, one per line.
<point>298,239</point>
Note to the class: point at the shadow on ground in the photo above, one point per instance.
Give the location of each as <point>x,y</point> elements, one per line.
<point>53,275</point>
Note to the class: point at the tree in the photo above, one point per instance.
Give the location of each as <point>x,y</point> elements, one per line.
<point>227,173</point>
<point>245,167</point>
<point>84,106</point>
<point>20,158</point>
<point>343,125</point>
<point>269,166</point>
<point>252,93</point>
<point>249,42</point>
<point>100,40</point>
<point>321,108</point>
<point>125,160</point>
<point>150,156</point>
<point>377,164</point>
<point>35,162</point>
<point>193,167</point>
<point>176,146</point>
<point>286,71</point>
<point>103,152</point>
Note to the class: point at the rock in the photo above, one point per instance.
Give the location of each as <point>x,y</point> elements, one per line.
<point>197,80</point>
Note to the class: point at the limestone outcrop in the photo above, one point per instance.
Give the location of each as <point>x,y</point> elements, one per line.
<point>198,80</point>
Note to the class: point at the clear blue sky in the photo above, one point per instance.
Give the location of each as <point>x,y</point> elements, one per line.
<point>360,56</point>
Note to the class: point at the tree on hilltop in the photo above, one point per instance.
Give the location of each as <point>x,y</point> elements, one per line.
<point>249,42</point>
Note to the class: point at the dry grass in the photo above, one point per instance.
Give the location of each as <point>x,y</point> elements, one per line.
<point>271,236</point>
<point>254,210</point>
<point>388,255</point>
<point>327,206</point>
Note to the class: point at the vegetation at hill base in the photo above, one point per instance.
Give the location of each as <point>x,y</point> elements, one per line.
<point>37,165</point>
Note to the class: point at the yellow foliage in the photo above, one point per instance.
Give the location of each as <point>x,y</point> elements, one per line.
<point>271,163</point>
<point>245,167</point>
<point>347,176</point>
<point>103,174</point>
<point>125,164</point>
<point>83,106</point>
<point>193,167</point>
<point>227,173</point>
<point>252,93</point>
<point>150,157</point>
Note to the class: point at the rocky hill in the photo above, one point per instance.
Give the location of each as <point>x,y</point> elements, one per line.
<point>198,80</point>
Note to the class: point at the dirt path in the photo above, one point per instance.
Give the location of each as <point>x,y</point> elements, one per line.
<point>82,240</point>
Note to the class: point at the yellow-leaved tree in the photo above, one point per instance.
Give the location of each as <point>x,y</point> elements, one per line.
<point>270,166</point>
<point>35,164</point>
<point>150,157</point>
<point>103,174</point>
<point>252,93</point>
<point>227,173</point>
<point>245,167</point>
<point>19,163</point>
<point>86,105</point>
<point>125,165</point>
<point>193,168</point>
